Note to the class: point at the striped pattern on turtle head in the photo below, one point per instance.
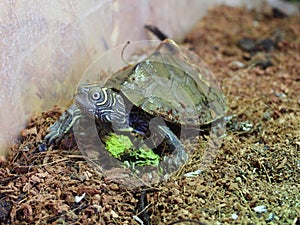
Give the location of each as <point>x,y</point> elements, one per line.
<point>101,103</point>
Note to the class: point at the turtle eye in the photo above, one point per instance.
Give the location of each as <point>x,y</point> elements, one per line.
<point>95,95</point>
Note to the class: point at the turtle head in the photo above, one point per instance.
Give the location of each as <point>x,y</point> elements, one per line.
<point>102,104</point>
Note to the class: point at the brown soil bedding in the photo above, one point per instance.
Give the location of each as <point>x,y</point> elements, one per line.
<point>256,168</point>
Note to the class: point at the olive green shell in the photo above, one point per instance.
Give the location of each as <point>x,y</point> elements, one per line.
<point>168,85</point>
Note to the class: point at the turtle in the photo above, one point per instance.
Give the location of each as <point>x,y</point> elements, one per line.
<point>156,96</point>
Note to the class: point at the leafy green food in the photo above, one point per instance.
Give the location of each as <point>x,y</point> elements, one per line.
<point>118,145</point>
<point>144,157</point>
<point>122,148</point>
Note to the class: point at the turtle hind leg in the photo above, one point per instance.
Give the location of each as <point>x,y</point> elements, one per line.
<point>171,163</point>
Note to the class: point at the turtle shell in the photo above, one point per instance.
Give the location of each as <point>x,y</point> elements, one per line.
<point>172,84</point>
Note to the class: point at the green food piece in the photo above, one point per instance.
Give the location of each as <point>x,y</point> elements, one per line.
<point>121,148</point>
<point>118,145</point>
<point>144,157</point>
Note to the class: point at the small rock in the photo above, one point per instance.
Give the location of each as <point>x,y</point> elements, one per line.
<point>260,209</point>
<point>79,198</point>
<point>114,214</point>
<point>234,216</point>
<point>237,64</point>
<point>193,174</point>
<point>114,187</point>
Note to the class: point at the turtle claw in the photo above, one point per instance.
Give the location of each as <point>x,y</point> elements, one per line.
<point>53,135</point>
<point>63,125</point>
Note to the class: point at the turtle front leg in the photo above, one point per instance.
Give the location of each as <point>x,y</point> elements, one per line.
<point>179,155</point>
<point>63,124</point>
